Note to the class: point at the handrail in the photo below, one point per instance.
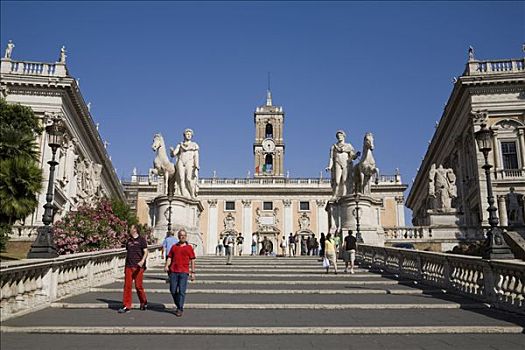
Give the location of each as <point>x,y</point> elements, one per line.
<point>497,282</point>
<point>33,284</point>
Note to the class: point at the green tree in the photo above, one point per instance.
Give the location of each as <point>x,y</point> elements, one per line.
<point>123,211</point>
<point>20,174</point>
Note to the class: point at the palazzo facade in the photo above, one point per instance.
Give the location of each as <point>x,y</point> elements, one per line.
<point>84,171</point>
<point>491,93</point>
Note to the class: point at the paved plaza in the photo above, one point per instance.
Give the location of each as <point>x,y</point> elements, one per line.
<point>267,302</point>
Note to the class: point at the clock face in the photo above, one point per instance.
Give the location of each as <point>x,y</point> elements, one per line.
<point>268,145</point>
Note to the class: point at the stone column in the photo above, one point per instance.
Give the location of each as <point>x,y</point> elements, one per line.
<point>247,228</point>
<point>287,217</point>
<point>322,217</point>
<point>400,212</point>
<point>502,211</point>
<point>522,147</point>
<point>212,226</point>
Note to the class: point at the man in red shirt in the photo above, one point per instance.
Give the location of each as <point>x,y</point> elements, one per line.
<point>136,257</point>
<point>180,257</point>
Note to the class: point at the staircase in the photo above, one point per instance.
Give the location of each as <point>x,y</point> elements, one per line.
<point>269,303</point>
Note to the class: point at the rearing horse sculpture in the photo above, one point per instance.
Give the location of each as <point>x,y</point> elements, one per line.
<point>366,167</point>
<point>162,165</point>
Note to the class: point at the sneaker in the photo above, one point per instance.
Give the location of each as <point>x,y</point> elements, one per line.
<point>346,270</point>
<point>352,271</point>
<point>143,307</point>
<point>123,310</point>
<point>178,313</point>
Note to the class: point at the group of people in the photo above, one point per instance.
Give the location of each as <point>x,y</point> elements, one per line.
<point>299,245</point>
<point>180,261</point>
<point>227,243</point>
<point>331,248</point>
<point>180,266</point>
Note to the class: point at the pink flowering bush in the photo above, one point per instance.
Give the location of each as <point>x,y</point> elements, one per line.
<point>93,228</point>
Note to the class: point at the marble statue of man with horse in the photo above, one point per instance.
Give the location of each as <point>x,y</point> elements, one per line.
<point>347,178</point>
<point>180,179</point>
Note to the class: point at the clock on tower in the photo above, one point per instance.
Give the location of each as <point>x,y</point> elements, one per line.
<point>268,148</point>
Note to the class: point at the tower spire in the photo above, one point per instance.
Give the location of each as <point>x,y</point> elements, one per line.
<point>268,93</point>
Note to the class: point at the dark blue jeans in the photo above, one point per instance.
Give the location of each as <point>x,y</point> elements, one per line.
<point>178,284</point>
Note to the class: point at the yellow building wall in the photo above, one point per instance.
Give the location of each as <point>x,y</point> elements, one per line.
<point>389,213</point>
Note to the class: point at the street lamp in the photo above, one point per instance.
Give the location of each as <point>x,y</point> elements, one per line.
<point>43,247</point>
<point>170,199</point>
<point>495,245</point>
<point>356,210</point>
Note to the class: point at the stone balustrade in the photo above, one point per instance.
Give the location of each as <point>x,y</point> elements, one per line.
<point>495,67</point>
<point>148,179</point>
<point>407,233</point>
<point>30,285</point>
<point>496,282</point>
<point>33,68</point>
<point>509,174</point>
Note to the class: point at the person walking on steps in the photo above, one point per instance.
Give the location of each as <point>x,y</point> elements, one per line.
<point>329,252</point>
<point>229,243</point>
<point>350,247</point>
<point>181,265</point>
<point>136,257</point>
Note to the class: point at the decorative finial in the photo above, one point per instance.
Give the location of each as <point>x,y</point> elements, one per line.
<point>89,106</point>
<point>63,55</point>
<point>471,53</point>
<point>9,49</point>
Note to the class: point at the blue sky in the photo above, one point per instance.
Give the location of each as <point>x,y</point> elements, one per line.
<point>384,67</point>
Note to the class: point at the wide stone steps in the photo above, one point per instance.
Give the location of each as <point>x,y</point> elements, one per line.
<point>267,302</point>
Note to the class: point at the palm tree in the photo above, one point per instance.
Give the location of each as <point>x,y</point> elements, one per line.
<point>20,174</point>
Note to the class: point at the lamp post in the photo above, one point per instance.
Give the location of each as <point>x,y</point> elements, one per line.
<point>356,210</point>
<point>495,245</point>
<point>170,199</point>
<point>43,247</point>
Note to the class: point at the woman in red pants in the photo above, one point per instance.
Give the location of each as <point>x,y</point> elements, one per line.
<point>136,256</point>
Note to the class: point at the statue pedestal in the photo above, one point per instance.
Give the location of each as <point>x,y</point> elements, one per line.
<point>445,224</point>
<point>185,213</point>
<point>342,213</point>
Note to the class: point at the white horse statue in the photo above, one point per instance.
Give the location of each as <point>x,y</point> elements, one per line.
<point>366,167</point>
<point>162,165</point>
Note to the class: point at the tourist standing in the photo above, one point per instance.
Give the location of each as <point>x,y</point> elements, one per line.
<point>316,247</point>
<point>329,252</point>
<point>297,244</point>
<point>168,242</point>
<point>218,250</point>
<point>136,256</point>
<point>284,245</point>
<point>291,245</point>
<point>350,247</point>
<point>229,244</point>
<point>180,257</point>
<point>240,242</point>
<point>321,241</point>
<point>254,244</point>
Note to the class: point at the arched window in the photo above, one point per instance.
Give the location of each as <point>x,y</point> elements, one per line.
<point>268,164</point>
<point>269,131</point>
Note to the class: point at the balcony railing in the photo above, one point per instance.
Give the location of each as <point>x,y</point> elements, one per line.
<point>495,67</point>
<point>498,283</point>
<point>33,68</point>
<point>509,174</point>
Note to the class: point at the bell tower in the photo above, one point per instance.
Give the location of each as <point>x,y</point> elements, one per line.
<point>268,148</point>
